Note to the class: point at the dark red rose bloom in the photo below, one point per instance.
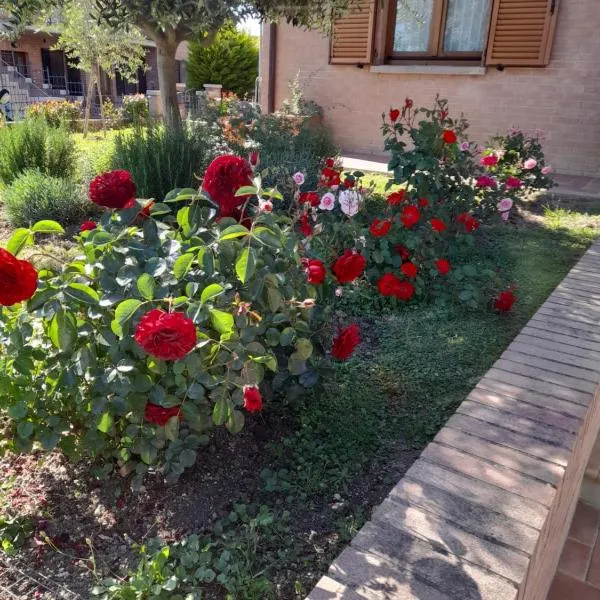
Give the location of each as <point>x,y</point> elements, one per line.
<point>305,226</point>
<point>408,103</point>
<point>330,163</point>
<point>311,198</point>
<point>410,216</point>
<point>88,226</point>
<point>380,228</point>
<point>223,178</point>
<point>349,182</point>
<point>349,266</point>
<point>394,114</point>
<point>409,269</point>
<point>449,136</point>
<point>153,413</point>
<point>513,182</point>
<point>405,291</point>
<point>388,284</point>
<point>18,279</point>
<point>485,181</point>
<point>443,266</point>
<point>145,212</point>
<point>345,343</point>
<point>330,177</point>
<point>168,336</point>
<point>423,202</point>
<point>505,300</point>
<point>470,222</point>
<point>438,225</point>
<point>254,159</point>
<point>315,270</point>
<point>252,398</point>
<point>489,161</point>
<point>114,189</point>
<point>402,251</point>
<point>396,198</point>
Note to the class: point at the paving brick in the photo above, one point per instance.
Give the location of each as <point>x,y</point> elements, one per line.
<point>575,411</point>
<point>474,518</point>
<point>568,342</point>
<point>559,300</point>
<point>540,431</point>
<point>565,327</point>
<point>456,577</point>
<point>574,291</point>
<point>501,455</point>
<point>445,537</point>
<point>504,478</point>
<point>565,587</point>
<point>477,492</point>
<point>505,437</point>
<point>329,589</point>
<point>586,521</point>
<point>575,559</point>
<point>541,414</point>
<point>545,376</point>
<point>584,309</point>
<point>580,286</point>
<point>569,315</point>
<point>557,353</point>
<point>375,578</point>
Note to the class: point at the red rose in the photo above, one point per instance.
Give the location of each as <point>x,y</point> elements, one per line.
<point>330,177</point>
<point>489,161</point>
<point>305,226</point>
<point>438,225</point>
<point>388,284</point>
<point>18,279</point>
<point>349,266</point>
<point>485,181</point>
<point>513,182</point>
<point>394,114</point>
<point>396,198</point>
<point>423,202</point>
<point>449,136</point>
<point>224,177</point>
<point>443,266</point>
<point>345,343</point>
<point>254,159</point>
<point>252,398</point>
<point>410,216</point>
<point>114,189</point>
<point>315,270</point>
<point>409,269</point>
<point>145,212</point>
<point>470,222</point>
<point>88,226</point>
<point>408,103</point>
<point>311,198</point>
<point>330,163</point>
<point>168,336</point>
<point>505,300</point>
<point>153,413</point>
<point>380,228</point>
<point>349,182</point>
<point>405,291</point>
<point>402,251</point>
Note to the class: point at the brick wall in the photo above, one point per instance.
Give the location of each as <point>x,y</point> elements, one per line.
<point>31,43</point>
<point>562,99</point>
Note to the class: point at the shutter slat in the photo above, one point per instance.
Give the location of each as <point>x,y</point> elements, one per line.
<point>352,37</point>
<point>521,32</point>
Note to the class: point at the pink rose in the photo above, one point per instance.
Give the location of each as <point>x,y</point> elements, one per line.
<point>298,178</point>
<point>505,205</point>
<point>547,170</point>
<point>464,147</point>
<point>327,201</point>
<point>529,164</point>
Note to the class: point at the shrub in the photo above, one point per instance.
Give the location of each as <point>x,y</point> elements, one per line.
<point>33,144</point>
<point>231,60</point>
<point>55,112</point>
<point>113,116</point>
<point>156,332</point>
<point>34,196</point>
<point>161,158</point>
<point>136,108</point>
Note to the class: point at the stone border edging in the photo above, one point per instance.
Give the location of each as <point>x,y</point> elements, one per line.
<point>484,512</point>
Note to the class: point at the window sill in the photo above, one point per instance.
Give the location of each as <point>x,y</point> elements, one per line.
<point>427,70</point>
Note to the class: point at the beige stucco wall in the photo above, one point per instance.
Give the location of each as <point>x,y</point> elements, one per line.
<point>563,99</point>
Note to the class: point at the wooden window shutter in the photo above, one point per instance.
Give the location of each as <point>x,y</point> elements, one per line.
<point>521,32</point>
<point>352,36</point>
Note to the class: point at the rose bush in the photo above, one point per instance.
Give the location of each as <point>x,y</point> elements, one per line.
<point>168,323</point>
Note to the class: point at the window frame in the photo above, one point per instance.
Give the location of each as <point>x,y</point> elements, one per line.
<point>435,53</point>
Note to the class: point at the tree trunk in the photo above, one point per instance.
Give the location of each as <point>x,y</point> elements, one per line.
<point>88,102</point>
<point>167,81</point>
<point>101,99</point>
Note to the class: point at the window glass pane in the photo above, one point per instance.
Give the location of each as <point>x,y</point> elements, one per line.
<point>413,22</point>
<point>466,25</point>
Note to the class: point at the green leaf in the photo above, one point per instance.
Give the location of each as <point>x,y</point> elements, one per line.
<point>187,458</point>
<point>304,348</point>
<point>211,291</point>
<point>125,310</point>
<point>245,265</point>
<point>47,227</point>
<point>146,286</point>
<point>223,322</point>
<point>159,209</point>
<point>220,411</point>
<point>246,190</point>
<point>106,422</point>
<point>17,411</point>
<point>235,421</point>
<point>172,428</point>
<point>63,330</point>
<point>182,265</point>
<point>296,364</point>
<point>233,231</point>
<point>18,240</point>
<point>83,293</point>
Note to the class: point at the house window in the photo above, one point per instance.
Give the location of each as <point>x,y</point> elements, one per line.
<point>438,29</point>
<point>15,59</point>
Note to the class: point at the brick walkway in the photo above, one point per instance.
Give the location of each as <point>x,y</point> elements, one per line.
<point>578,576</point>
